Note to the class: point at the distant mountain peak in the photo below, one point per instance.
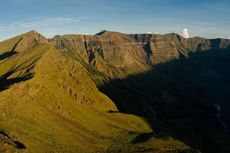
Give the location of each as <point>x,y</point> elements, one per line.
<point>101,32</point>
<point>34,33</point>
<point>105,32</point>
<point>23,42</point>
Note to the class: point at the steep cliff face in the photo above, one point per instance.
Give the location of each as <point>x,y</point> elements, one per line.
<point>114,54</point>
<point>164,48</point>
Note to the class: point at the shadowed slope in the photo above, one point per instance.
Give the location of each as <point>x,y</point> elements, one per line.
<point>179,99</point>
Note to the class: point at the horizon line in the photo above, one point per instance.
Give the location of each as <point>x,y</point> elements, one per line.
<point>95,34</point>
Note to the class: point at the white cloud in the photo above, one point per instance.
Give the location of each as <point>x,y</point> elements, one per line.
<point>47,26</point>
<point>40,23</point>
<point>45,22</point>
<point>185,33</point>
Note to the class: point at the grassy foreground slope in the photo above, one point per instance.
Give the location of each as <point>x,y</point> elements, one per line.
<point>50,103</point>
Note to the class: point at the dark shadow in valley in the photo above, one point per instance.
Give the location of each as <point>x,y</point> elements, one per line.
<point>187,99</point>
<point>113,112</point>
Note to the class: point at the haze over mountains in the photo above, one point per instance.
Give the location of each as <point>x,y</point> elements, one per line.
<point>114,92</point>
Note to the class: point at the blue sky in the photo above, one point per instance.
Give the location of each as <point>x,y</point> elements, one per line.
<point>206,18</point>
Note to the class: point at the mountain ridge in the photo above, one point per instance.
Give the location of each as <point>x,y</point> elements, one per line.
<point>108,31</point>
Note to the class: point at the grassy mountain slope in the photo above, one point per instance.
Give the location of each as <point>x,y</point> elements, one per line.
<point>22,42</point>
<point>50,99</point>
